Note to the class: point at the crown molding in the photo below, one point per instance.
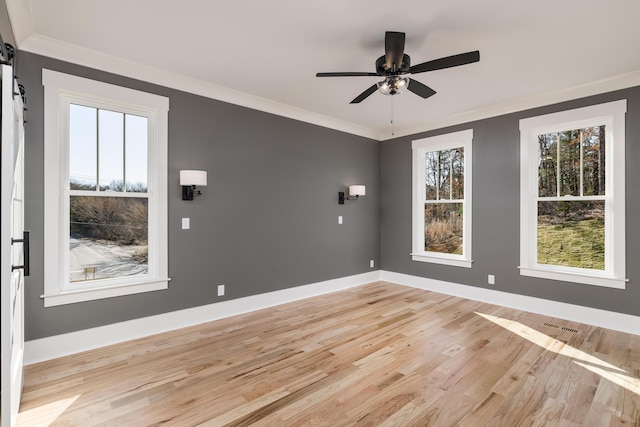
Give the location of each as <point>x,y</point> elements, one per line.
<point>89,58</point>
<point>21,19</point>
<point>621,81</point>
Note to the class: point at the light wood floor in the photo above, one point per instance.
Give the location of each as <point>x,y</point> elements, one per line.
<point>377,355</point>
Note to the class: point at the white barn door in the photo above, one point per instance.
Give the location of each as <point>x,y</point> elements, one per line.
<point>14,246</point>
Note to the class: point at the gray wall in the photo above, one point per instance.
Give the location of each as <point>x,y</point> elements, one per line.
<point>268,218</point>
<point>496,211</point>
<point>266,221</point>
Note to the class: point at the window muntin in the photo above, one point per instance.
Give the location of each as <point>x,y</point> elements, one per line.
<point>105,170</point>
<point>572,195</point>
<point>442,199</point>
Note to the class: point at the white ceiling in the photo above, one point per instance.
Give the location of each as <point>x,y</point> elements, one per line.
<point>264,54</point>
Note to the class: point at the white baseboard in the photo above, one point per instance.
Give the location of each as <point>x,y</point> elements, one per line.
<point>576,313</point>
<point>55,346</point>
<point>75,342</point>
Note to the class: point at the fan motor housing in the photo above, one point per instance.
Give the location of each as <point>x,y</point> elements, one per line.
<point>383,70</point>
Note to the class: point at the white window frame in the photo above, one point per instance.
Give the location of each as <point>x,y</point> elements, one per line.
<point>61,90</point>
<point>612,116</point>
<point>420,147</point>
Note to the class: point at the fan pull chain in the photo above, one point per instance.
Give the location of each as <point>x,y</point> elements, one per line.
<point>393,130</point>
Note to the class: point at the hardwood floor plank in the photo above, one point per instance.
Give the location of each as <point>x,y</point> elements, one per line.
<point>376,355</point>
<point>489,412</point>
<point>247,408</point>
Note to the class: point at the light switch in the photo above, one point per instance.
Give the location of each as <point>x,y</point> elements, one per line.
<point>339,219</point>
<point>185,223</point>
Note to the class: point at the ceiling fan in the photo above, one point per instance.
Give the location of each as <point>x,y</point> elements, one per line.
<point>394,64</point>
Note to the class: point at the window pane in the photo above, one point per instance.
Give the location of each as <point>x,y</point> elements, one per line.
<point>136,153</point>
<point>571,234</point>
<point>444,158</point>
<point>594,171</point>
<point>444,174</point>
<point>578,157</point>
<point>111,150</point>
<point>570,163</point>
<point>432,175</point>
<point>108,237</point>
<point>457,173</point>
<point>83,146</point>
<point>443,228</point>
<point>547,165</point>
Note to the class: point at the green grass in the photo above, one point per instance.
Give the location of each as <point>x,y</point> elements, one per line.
<point>577,244</point>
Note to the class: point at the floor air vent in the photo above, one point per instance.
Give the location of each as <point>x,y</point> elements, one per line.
<point>564,328</point>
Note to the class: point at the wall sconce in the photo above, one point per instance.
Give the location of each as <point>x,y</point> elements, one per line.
<point>355,191</point>
<point>189,179</point>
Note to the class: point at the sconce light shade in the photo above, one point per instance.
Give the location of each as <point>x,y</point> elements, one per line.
<point>189,179</point>
<point>193,177</point>
<point>355,191</point>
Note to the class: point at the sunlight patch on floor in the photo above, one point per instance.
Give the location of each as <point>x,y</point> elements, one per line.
<point>46,414</point>
<point>587,361</point>
<point>630,383</point>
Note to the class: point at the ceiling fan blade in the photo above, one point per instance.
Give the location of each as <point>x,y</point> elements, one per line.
<point>420,89</point>
<point>447,62</point>
<point>364,94</point>
<point>393,49</point>
<point>345,74</point>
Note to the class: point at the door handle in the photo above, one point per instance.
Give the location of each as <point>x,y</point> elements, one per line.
<point>25,253</point>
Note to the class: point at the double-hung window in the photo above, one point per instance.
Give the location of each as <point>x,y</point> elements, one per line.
<point>572,195</point>
<point>105,190</point>
<point>442,199</point>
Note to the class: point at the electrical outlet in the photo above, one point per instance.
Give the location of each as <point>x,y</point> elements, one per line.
<point>491,279</point>
<point>372,263</point>
<point>220,290</point>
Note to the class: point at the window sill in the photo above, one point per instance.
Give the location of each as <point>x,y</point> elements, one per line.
<point>456,262</point>
<point>585,279</point>
<point>71,297</point>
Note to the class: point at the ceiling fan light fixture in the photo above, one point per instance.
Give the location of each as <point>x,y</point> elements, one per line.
<point>393,85</point>
<point>395,63</point>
